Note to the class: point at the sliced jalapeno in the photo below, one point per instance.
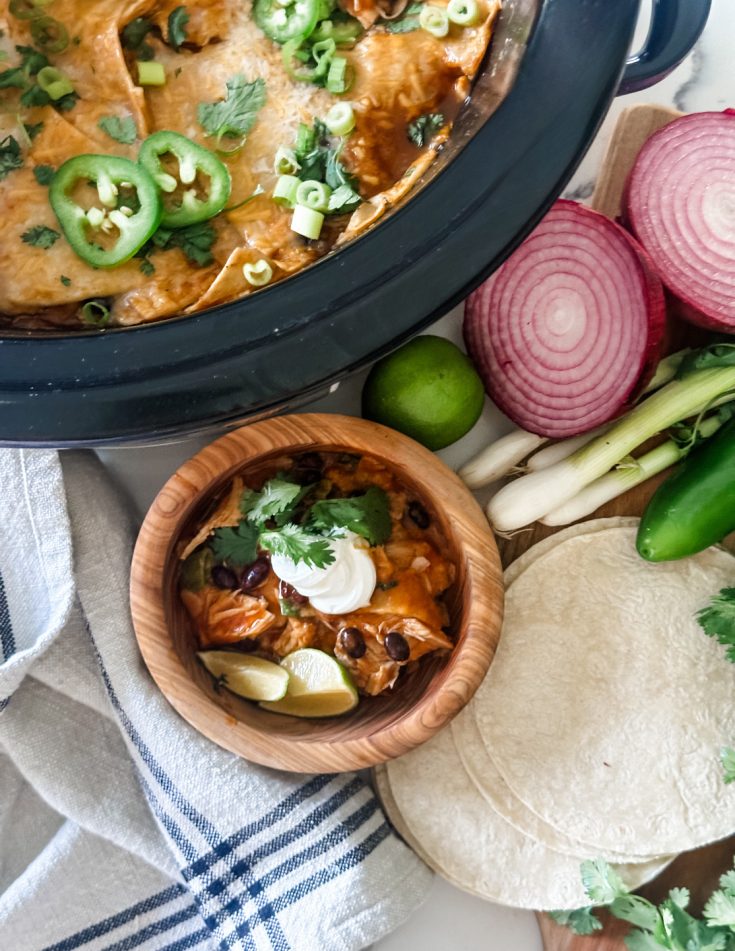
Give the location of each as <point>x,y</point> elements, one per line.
<point>187,207</point>
<point>105,229</point>
<point>280,24</point>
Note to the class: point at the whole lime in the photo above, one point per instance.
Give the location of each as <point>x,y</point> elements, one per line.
<point>427,389</point>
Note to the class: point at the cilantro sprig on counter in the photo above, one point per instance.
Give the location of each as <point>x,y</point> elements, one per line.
<point>276,521</point>
<point>718,620</point>
<point>668,925</point>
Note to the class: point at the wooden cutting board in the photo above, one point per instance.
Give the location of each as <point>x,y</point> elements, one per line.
<point>697,870</point>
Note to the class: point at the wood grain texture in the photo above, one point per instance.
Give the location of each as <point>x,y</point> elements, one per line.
<point>380,728</point>
<point>700,869</point>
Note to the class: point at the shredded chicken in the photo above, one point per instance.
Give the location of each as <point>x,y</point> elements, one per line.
<point>226,617</point>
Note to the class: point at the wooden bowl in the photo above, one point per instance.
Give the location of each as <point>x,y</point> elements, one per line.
<point>380,728</point>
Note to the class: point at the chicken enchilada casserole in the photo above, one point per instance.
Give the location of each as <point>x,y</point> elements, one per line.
<point>158,158</point>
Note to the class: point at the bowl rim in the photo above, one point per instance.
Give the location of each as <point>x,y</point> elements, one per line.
<point>482,593</point>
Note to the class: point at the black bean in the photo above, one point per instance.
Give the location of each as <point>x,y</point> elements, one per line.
<point>396,647</point>
<point>254,575</point>
<point>309,460</point>
<point>224,577</point>
<point>352,642</point>
<point>287,592</point>
<point>418,515</point>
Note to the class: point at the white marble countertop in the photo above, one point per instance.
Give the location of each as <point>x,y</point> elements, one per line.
<point>451,919</point>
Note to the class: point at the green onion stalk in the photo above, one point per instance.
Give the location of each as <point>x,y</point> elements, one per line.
<point>536,494</point>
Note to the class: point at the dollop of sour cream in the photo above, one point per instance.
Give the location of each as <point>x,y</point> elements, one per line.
<point>345,585</point>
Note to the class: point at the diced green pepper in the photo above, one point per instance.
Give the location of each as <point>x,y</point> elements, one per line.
<point>111,234</point>
<point>196,569</point>
<point>188,208</point>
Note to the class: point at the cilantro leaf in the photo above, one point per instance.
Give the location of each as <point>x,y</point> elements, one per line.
<point>718,620</point>
<point>235,115</point>
<point>32,129</point>
<point>719,354</point>
<point>582,921</point>
<point>343,199</point>
<point>121,130</point>
<point>66,281</point>
<point>636,910</point>
<point>727,882</point>
<point>293,542</point>
<point>10,156</point>
<point>238,546</point>
<point>44,174</point>
<point>601,882</point>
<point>147,267</point>
<point>40,237</point>
<point>720,910</point>
<point>177,21</point>
<point>727,758</point>
<point>277,497</point>
<point>32,61</point>
<point>194,240</point>
<point>13,78</point>
<point>318,154</point>
<point>640,941</point>
<point>133,38</point>
<point>367,515</point>
<point>422,129</point>
<point>679,896</point>
<point>406,23</point>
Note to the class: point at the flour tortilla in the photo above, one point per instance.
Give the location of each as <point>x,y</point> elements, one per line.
<point>606,706</point>
<point>434,804</point>
<point>489,782</point>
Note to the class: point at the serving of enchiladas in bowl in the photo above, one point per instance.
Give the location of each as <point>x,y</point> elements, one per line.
<point>158,158</point>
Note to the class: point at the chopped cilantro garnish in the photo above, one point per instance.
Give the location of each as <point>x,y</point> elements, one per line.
<point>195,241</point>
<point>582,921</point>
<point>318,154</point>
<point>121,130</point>
<point>294,542</point>
<point>367,515</point>
<point>177,21</point>
<point>238,546</point>
<point>40,237</point>
<point>406,23</point>
<point>235,115</point>
<point>133,38</point>
<point>66,281</point>
<point>422,129</point>
<point>277,498</point>
<point>32,129</point>
<point>44,174</point>
<point>718,620</point>
<point>147,267</point>
<point>10,156</point>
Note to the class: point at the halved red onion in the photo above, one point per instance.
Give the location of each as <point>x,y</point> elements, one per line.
<point>569,330</point>
<point>680,203</point>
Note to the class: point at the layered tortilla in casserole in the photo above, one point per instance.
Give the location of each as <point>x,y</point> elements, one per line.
<point>398,77</point>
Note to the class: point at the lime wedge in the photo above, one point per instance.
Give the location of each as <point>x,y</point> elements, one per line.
<point>247,676</point>
<point>318,686</point>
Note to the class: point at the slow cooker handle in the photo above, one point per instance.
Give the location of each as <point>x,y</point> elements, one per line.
<point>675,28</point>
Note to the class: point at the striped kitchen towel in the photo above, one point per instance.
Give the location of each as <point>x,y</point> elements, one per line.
<point>121,827</point>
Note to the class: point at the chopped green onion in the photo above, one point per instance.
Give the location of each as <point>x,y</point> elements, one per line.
<point>258,274</point>
<point>285,191</point>
<point>434,20</point>
<point>313,194</point>
<point>463,12</point>
<point>535,495</point>
<point>285,162</point>
<point>323,31</point>
<point>151,73</point>
<point>50,35</point>
<point>340,120</point>
<point>54,82</point>
<point>322,53</point>
<point>307,222</point>
<point>340,76</point>
<point>95,313</point>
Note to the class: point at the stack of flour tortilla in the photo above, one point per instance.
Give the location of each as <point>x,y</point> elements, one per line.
<point>596,733</point>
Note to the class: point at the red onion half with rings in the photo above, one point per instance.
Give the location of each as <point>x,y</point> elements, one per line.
<point>680,203</point>
<point>569,329</point>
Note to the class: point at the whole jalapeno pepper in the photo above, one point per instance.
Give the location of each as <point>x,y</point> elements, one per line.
<point>108,207</point>
<point>205,180</point>
<point>695,507</point>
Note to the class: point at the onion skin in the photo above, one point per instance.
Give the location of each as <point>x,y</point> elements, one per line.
<point>570,329</point>
<point>679,202</point>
